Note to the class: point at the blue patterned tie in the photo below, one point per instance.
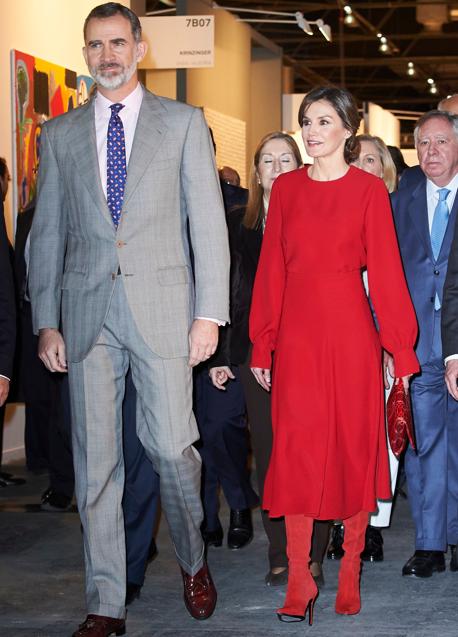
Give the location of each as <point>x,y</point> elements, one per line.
<point>438,228</point>
<point>116,163</point>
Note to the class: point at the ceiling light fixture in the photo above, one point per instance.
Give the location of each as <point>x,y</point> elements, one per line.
<point>410,69</point>
<point>349,18</point>
<point>324,29</point>
<point>302,23</point>
<point>299,19</point>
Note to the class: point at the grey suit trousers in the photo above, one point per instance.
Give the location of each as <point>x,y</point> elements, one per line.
<point>167,432</point>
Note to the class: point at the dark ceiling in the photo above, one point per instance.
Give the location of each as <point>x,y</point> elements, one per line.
<point>353,58</point>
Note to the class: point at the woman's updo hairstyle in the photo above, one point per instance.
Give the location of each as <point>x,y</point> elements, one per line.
<point>345,106</point>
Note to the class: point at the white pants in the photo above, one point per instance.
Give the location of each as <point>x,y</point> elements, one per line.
<point>382,517</point>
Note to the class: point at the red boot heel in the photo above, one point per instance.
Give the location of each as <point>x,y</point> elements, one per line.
<point>289,618</point>
<point>302,590</point>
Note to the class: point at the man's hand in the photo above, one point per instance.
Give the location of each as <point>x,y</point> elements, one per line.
<point>51,350</point>
<point>203,339</point>
<point>388,365</point>
<point>263,377</point>
<point>4,390</point>
<point>220,375</point>
<point>451,377</point>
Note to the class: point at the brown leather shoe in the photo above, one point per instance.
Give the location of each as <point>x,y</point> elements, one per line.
<point>99,626</point>
<point>199,593</point>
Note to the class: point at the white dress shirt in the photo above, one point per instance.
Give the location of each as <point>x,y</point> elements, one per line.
<point>129,117</point>
<point>432,197</point>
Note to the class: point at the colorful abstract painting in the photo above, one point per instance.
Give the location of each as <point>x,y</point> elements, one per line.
<point>41,90</point>
<point>85,85</point>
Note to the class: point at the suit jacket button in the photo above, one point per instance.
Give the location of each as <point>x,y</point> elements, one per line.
<point>436,272</point>
<point>432,299</point>
<point>120,244</point>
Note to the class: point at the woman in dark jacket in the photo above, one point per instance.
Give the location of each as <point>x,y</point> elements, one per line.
<point>277,153</point>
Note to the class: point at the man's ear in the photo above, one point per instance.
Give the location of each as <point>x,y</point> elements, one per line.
<point>84,53</point>
<point>142,48</point>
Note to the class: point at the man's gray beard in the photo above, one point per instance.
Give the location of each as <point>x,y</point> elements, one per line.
<point>116,81</point>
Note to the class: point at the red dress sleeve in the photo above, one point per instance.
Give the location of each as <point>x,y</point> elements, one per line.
<point>387,285</point>
<point>268,288</point>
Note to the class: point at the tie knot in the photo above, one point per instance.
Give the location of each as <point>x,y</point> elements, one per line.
<point>443,193</point>
<point>115,108</point>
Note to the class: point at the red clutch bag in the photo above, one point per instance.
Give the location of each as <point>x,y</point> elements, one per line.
<point>399,419</point>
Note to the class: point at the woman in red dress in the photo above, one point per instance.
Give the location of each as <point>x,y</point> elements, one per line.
<point>327,222</point>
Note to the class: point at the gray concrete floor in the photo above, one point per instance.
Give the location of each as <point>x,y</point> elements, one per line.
<point>41,584</point>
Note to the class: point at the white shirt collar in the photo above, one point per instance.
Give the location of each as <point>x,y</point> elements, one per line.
<point>452,186</point>
<point>132,101</point>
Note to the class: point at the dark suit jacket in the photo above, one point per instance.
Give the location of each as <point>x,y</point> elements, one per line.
<point>245,247</point>
<point>234,197</point>
<point>7,303</point>
<point>411,177</point>
<point>23,226</point>
<point>425,275</point>
<point>450,300</point>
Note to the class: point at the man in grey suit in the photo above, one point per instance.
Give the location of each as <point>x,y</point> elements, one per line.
<point>123,182</point>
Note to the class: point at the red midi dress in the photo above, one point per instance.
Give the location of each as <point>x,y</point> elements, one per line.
<point>310,309</point>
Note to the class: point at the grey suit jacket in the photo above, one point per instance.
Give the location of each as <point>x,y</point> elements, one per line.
<point>172,193</point>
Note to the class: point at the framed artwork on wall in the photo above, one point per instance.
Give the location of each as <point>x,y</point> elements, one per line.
<point>41,90</point>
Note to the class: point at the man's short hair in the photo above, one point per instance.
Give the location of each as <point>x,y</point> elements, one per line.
<point>108,10</point>
<point>436,114</point>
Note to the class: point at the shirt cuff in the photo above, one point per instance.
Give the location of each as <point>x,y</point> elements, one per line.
<point>213,320</point>
<point>452,357</point>
<point>3,376</point>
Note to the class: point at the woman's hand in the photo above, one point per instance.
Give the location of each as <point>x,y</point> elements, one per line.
<point>220,375</point>
<point>263,377</point>
<point>388,366</point>
<point>406,382</point>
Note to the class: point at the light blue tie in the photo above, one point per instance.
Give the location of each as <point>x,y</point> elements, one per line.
<point>440,221</point>
<point>438,228</point>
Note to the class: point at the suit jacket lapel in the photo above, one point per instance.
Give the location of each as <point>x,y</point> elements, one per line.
<point>447,242</point>
<point>418,211</point>
<point>83,147</point>
<point>149,134</point>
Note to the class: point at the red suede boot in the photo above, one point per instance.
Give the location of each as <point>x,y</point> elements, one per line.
<point>302,590</point>
<point>348,600</point>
